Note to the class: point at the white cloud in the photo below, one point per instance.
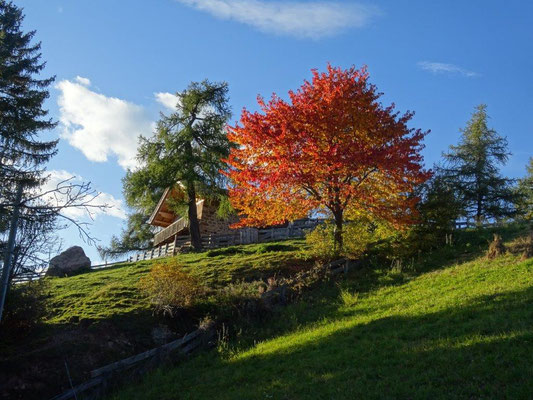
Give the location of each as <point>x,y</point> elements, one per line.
<point>115,209</point>
<point>101,126</point>
<point>83,81</point>
<point>443,68</point>
<point>168,100</point>
<point>313,19</point>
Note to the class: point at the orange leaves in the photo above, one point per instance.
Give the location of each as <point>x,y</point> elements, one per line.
<point>332,146</point>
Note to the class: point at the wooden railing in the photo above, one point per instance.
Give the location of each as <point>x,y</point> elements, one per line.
<point>165,250</point>
<point>170,231</point>
<point>241,236</point>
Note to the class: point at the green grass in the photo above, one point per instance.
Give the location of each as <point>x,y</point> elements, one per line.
<point>464,330</point>
<point>113,293</point>
<point>101,316</point>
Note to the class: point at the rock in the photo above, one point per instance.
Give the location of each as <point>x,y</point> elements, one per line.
<point>69,262</point>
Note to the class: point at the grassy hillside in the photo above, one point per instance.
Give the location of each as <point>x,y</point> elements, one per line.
<point>113,292</point>
<point>464,330</point>
<point>101,316</point>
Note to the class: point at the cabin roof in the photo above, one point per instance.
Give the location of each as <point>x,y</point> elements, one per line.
<point>162,215</point>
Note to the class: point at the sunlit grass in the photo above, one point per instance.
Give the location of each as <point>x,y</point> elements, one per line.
<point>465,331</point>
<point>113,292</point>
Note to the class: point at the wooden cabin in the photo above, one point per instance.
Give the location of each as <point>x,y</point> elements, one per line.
<point>173,226</point>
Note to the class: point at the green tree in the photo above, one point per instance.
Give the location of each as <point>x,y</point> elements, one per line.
<point>23,153</point>
<point>137,236</point>
<point>438,208</point>
<point>473,168</point>
<point>22,117</point>
<point>524,202</point>
<point>187,149</point>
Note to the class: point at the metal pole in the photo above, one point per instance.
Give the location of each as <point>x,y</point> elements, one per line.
<point>8,257</point>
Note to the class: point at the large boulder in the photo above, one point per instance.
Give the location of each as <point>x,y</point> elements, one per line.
<point>71,261</point>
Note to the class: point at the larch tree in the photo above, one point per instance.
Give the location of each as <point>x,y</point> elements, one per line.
<point>333,147</point>
<point>473,168</point>
<point>186,150</point>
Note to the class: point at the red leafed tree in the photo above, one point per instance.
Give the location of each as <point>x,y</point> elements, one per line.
<point>333,147</point>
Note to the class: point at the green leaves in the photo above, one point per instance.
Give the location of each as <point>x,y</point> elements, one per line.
<point>473,168</point>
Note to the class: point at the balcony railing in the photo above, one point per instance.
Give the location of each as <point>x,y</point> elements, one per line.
<point>170,231</point>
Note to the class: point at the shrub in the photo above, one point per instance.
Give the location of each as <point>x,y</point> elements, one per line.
<point>348,298</point>
<point>523,245</point>
<point>496,247</point>
<point>170,289</point>
<point>357,236</point>
<point>239,296</point>
<point>321,241</point>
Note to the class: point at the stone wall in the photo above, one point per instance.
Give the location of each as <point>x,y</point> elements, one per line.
<point>211,224</point>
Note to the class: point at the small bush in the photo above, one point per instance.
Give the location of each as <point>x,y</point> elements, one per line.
<point>349,299</point>
<point>523,246</point>
<point>496,247</point>
<point>170,289</point>
<point>358,236</point>
<point>238,295</point>
<point>320,241</point>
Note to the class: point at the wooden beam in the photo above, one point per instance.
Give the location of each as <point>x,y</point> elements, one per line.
<point>161,222</point>
<point>168,215</point>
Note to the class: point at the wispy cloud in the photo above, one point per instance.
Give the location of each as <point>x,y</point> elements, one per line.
<point>443,68</point>
<point>305,19</point>
<point>101,126</point>
<point>166,99</point>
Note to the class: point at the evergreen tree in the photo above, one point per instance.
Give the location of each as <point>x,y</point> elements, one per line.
<point>524,202</point>
<point>473,168</point>
<point>187,149</point>
<point>137,236</point>
<point>22,116</point>
<point>439,207</point>
<point>23,154</point>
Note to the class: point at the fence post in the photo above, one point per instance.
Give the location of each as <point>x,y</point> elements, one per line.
<point>175,249</point>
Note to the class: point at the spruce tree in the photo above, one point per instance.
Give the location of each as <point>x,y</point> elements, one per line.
<point>473,168</point>
<point>524,201</point>
<point>22,116</point>
<point>187,149</point>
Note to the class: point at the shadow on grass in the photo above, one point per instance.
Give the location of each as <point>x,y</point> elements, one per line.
<point>479,351</point>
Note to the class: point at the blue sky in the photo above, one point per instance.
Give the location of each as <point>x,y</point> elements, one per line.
<point>117,61</point>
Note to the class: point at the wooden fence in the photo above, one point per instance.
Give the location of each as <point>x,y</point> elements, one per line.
<point>472,224</point>
<point>33,276</point>
<point>242,236</point>
<point>104,377</point>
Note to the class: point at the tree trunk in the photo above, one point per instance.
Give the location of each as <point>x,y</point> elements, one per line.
<point>194,224</point>
<point>337,233</point>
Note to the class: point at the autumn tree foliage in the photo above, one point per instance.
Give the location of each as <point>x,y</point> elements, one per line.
<point>333,148</point>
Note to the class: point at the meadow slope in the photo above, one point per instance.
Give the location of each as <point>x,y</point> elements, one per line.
<point>465,331</point>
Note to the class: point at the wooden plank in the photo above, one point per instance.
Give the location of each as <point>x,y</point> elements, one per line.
<point>147,354</point>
